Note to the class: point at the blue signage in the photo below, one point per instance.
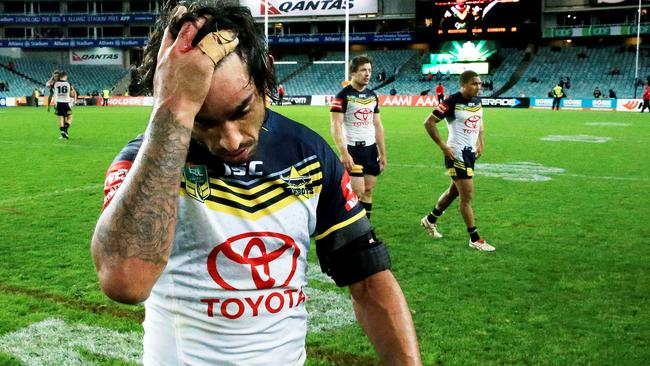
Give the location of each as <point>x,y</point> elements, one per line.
<point>74,42</point>
<point>77,19</point>
<point>340,38</point>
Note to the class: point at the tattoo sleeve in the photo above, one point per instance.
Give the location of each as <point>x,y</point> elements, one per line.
<point>140,221</point>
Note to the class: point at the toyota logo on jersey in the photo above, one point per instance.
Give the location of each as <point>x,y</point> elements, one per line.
<point>254,260</point>
<point>472,122</point>
<point>363,114</point>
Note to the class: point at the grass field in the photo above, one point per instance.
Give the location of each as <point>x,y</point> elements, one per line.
<point>568,284</point>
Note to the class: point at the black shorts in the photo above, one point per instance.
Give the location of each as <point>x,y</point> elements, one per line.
<point>63,109</point>
<point>366,159</point>
<point>464,168</point>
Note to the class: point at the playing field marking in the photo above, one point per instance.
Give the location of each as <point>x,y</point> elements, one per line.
<point>613,124</point>
<point>30,197</point>
<point>521,171</point>
<point>577,138</point>
<point>54,342</point>
<point>58,143</point>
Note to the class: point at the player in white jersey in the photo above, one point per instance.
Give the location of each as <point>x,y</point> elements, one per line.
<point>357,130</point>
<point>465,143</point>
<point>208,215</point>
<point>64,95</point>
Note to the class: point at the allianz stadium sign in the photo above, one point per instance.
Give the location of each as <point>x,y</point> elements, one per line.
<point>96,56</point>
<point>294,8</point>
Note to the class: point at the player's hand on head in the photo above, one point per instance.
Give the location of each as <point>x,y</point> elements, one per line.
<point>183,73</point>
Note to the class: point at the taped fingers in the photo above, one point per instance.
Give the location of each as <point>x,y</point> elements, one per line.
<point>218,45</point>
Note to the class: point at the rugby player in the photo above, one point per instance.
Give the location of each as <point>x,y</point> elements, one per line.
<point>208,215</point>
<point>465,142</point>
<point>357,130</point>
<point>64,95</point>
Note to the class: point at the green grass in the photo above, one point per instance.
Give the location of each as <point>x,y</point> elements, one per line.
<point>567,285</point>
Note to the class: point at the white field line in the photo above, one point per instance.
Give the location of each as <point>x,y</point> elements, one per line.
<point>442,172</point>
<point>87,187</point>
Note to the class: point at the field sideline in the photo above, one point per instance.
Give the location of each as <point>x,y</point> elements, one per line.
<point>563,196</point>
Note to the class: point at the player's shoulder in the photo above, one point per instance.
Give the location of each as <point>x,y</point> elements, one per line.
<point>130,150</point>
<point>291,133</point>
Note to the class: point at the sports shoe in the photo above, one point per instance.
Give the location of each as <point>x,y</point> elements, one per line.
<point>65,135</point>
<point>430,228</point>
<point>481,245</point>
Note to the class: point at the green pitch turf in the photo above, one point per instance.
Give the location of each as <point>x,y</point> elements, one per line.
<point>563,196</point>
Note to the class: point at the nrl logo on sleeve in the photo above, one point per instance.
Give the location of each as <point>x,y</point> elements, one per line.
<point>197,182</point>
<point>299,185</point>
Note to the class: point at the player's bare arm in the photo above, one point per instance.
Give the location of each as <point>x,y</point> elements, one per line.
<point>133,238</point>
<point>382,312</point>
<point>379,137</point>
<point>431,125</point>
<point>480,144</point>
<point>336,126</point>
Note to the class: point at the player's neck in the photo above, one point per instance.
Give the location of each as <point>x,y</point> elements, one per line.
<point>357,86</point>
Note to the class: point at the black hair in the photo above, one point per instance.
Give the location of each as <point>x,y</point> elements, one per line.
<point>467,76</point>
<point>358,61</point>
<point>222,15</point>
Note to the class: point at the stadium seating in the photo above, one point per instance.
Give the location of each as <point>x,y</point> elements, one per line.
<point>84,78</point>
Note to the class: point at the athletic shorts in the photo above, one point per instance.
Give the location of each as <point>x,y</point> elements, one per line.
<point>463,168</point>
<point>63,109</point>
<point>366,160</point>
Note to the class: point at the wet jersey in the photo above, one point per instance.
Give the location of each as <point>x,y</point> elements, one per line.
<point>464,119</point>
<point>233,291</point>
<point>62,91</point>
<point>359,108</point>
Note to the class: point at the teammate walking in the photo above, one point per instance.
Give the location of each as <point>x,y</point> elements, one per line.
<point>64,95</point>
<point>465,143</point>
<point>357,130</point>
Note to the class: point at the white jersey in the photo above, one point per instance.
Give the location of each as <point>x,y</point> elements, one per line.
<point>464,119</point>
<point>233,291</point>
<point>359,108</point>
<point>62,90</point>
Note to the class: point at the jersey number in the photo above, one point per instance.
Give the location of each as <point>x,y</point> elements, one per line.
<point>62,89</point>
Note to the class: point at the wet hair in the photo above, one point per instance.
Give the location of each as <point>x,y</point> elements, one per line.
<point>467,76</point>
<point>222,15</point>
<point>356,62</point>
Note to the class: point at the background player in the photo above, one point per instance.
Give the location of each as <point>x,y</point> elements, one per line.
<point>465,144</point>
<point>64,95</point>
<point>357,130</point>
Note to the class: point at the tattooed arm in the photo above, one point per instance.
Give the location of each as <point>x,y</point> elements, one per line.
<point>134,235</point>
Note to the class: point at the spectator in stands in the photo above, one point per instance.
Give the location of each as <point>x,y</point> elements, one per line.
<point>558,94</point>
<point>11,66</point>
<point>567,84</point>
<point>3,86</point>
<point>429,76</point>
<point>646,99</point>
<point>448,75</point>
<point>392,91</point>
<point>597,92</point>
<point>612,94</point>
<point>533,79</point>
<point>105,96</point>
<point>615,71</point>
<point>440,92</point>
<point>582,55</point>
<point>438,76</point>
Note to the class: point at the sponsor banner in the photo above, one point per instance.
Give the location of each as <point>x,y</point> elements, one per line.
<point>408,100</point>
<point>297,100</point>
<point>77,19</point>
<point>340,38</point>
<point>566,103</point>
<point>541,102</point>
<point>319,100</point>
<point>595,30</point>
<point>127,101</point>
<point>96,56</point>
<point>294,8</point>
<point>629,105</point>
<point>604,104</point>
<point>506,102</point>
<point>72,43</point>
<point>3,102</point>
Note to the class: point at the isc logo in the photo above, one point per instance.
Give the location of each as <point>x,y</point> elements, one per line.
<point>252,168</point>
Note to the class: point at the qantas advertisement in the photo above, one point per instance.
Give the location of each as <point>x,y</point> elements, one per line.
<point>294,8</point>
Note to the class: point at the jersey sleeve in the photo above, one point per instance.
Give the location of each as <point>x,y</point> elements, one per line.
<point>117,172</point>
<point>376,104</point>
<point>444,109</point>
<point>340,218</point>
<point>340,102</point>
